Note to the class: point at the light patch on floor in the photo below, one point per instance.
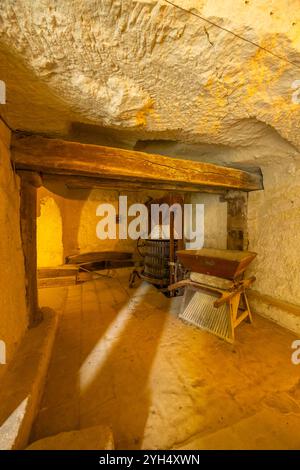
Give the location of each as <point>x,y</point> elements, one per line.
<point>123,358</point>
<point>101,351</point>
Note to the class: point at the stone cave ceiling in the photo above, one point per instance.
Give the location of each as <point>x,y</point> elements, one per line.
<point>148,75</point>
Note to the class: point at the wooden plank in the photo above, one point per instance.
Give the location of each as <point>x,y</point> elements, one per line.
<point>59,271</point>
<point>85,276</point>
<point>239,288</point>
<point>86,182</point>
<point>61,281</point>
<point>98,256</point>
<point>242,317</point>
<point>63,157</point>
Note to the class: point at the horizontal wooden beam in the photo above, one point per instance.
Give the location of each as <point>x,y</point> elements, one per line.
<point>85,182</point>
<point>72,158</point>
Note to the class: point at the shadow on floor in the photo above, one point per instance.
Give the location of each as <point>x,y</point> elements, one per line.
<point>103,354</point>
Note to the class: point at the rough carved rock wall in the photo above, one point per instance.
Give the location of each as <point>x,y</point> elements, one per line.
<point>152,69</point>
<point>13,311</point>
<point>66,223</point>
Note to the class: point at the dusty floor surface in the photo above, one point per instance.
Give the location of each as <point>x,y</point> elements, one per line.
<point>123,358</point>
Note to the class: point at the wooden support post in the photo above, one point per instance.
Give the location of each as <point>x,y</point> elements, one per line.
<point>237,238</point>
<point>181,241</point>
<point>28,234</point>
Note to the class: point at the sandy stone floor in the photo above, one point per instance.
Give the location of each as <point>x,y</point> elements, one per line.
<point>123,358</point>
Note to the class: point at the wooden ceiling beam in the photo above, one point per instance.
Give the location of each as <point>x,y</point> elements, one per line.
<point>84,182</point>
<point>61,157</point>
